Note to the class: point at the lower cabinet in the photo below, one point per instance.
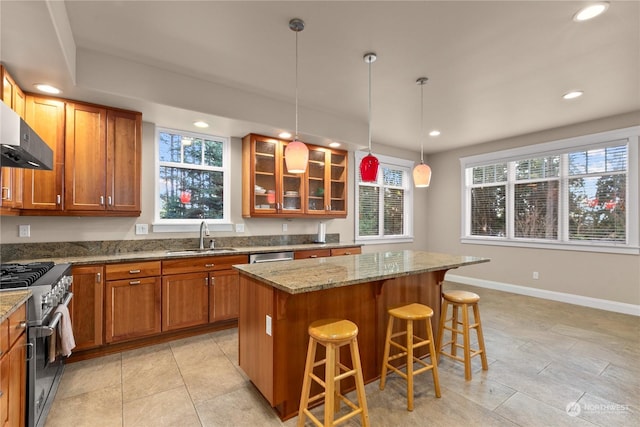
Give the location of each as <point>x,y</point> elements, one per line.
<point>224,295</point>
<point>133,298</point>
<point>13,369</point>
<point>185,300</point>
<point>86,305</point>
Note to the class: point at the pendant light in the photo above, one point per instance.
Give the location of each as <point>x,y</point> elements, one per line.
<point>296,154</point>
<point>422,172</point>
<point>369,163</point>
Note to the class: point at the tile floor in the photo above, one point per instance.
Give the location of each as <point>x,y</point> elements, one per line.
<point>543,355</point>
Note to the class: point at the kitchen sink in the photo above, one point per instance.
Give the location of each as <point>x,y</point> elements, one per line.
<point>206,251</point>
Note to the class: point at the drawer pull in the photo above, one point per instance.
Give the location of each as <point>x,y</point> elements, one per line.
<point>313,256</point>
<point>347,253</point>
<point>134,271</point>
<point>209,265</point>
<point>134,282</point>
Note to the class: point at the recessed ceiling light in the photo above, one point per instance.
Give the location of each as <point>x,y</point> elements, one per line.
<point>591,11</point>
<point>573,94</point>
<point>434,133</point>
<point>334,144</point>
<point>284,135</point>
<point>201,124</point>
<point>47,88</point>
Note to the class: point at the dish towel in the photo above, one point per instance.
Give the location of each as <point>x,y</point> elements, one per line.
<point>65,340</point>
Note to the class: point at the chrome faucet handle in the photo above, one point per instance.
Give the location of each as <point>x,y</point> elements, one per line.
<point>212,244</point>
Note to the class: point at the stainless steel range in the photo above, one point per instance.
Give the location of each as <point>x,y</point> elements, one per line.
<point>50,285</point>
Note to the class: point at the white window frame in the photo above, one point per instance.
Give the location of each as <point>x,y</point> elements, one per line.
<point>406,166</point>
<point>193,224</point>
<point>630,136</point>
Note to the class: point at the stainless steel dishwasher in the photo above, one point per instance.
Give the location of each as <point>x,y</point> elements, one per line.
<point>270,257</point>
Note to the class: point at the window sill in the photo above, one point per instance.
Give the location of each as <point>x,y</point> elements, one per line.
<point>590,247</point>
<point>385,241</point>
<point>187,228</point>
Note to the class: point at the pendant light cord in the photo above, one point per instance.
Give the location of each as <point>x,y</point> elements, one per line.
<point>370,61</point>
<point>422,123</point>
<point>296,137</point>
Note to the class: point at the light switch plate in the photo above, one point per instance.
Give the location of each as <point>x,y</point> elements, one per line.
<point>239,228</point>
<point>142,228</point>
<point>24,230</point>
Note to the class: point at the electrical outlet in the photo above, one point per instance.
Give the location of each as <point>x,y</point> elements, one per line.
<point>284,227</point>
<point>268,328</point>
<point>239,228</point>
<point>536,276</point>
<point>142,228</point>
<point>24,230</point>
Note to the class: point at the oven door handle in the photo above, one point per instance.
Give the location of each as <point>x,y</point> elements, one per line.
<point>47,331</point>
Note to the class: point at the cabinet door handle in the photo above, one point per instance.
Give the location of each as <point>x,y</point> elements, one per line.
<point>109,202</point>
<point>209,265</point>
<point>58,199</point>
<point>134,271</point>
<point>5,190</point>
<point>98,277</point>
<point>134,282</point>
<point>206,281</point>
<point>101,200</point>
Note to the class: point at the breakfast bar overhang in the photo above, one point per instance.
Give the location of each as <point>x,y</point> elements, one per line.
<point>279,300</point>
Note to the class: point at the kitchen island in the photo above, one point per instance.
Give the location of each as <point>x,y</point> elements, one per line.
<point>279,300</point>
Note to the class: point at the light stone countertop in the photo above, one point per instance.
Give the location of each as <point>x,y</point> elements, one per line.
<point>10,301</point>
<point>308,275</point>
<point>164,254</point>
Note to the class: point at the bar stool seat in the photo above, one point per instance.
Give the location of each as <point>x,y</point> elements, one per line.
<point>332,334</point>
<point>461,300</point>
<point>410,313</point>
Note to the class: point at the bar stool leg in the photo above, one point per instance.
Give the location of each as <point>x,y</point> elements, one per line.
<point>483,354</point>
<point>355,357</point>
<point>454,329</point>
<point>383,376</point>
<point>434,360</point>
<point>467,343</point>
<point>337,401</point>
<point>410,365</point>
<point>443,320</point>
<point>306,382</point>
<point>330,391</point>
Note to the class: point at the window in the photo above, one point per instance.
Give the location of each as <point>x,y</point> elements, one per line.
<point>192,178</point>
<point>385,207</point>
<point>579,193</point>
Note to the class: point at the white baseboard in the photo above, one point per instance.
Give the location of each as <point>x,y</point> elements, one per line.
<point>618,307</point>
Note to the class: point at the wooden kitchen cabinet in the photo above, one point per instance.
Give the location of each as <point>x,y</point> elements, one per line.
<point>270,191</point>
<point>312,253</point>
<point>355,250</point>
<point>43,190</point>
<point>197,291</point>
<point>133,300</point>
<point>86,306</point>
<point>11,179</point>
<point>102,160</point>
<point>13,369</point>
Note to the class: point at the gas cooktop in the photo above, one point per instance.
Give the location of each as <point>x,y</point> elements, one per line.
<point>15,275</point>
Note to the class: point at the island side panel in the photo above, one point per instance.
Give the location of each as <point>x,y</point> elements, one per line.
<point>255,345</point>
<point>294,314</point>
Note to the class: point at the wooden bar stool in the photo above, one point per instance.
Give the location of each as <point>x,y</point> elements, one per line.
<point>332,334</point>
<point>410,313</point>
<point>461,300</point>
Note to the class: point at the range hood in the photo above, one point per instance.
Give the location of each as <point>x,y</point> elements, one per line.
<point>20,146</point>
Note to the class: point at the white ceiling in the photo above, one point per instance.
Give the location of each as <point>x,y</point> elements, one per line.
<point>495,69</point>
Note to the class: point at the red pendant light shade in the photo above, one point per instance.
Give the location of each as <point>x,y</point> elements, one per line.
<point>296,156</point>
<point>369,168</point>
<point>422,175</point>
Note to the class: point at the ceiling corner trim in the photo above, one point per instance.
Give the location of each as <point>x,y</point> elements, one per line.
<point>62,26</point>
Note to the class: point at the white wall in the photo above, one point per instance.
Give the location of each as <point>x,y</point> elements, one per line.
<point>66,229</point>
<point>594,275</point>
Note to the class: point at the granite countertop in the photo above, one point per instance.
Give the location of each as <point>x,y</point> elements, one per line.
<point>307,275</point>
<point>178,253</point>
<point>10,301</point>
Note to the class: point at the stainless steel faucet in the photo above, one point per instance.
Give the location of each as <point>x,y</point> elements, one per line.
<point>204,231</point>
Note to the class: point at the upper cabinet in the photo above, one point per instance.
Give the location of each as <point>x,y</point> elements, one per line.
<point>11,179</point>
<point>102,160</point>
<point>269,190</point>
<point>43,190</point>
